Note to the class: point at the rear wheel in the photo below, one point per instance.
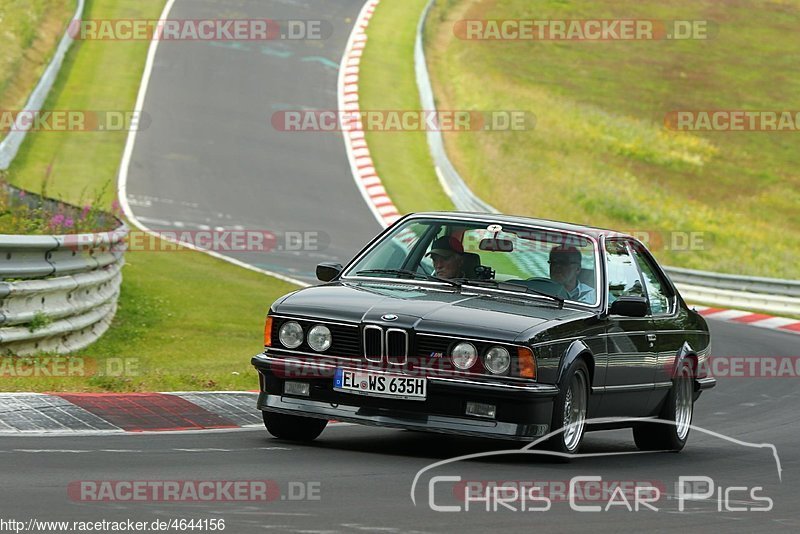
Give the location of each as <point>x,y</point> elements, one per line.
<point>569,410</point>
<point>678,409</point>
<point>293,427</point>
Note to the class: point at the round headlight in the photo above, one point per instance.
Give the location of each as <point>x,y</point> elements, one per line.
<point>497,360</point>
<point>464,355</point>
<point>319,338</point>
<point>291,335</point>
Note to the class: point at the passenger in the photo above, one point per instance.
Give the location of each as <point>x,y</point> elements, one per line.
<point>565,265</point>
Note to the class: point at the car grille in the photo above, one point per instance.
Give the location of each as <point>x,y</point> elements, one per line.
<point>396,346</point>
<point>373,343</point>
<point>433,346</point>
<point>433,352</point>
<point>345,343</point>
<point>390,345</point>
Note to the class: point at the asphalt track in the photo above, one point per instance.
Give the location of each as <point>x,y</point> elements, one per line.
<point>211,159</point>
<point>364,475</point>
<point>213,154</point>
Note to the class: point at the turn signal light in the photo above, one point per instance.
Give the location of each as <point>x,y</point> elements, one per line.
<point>268,332</point>
<point>527,363</point>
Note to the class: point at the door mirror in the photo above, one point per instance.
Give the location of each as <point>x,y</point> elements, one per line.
<point>629,306</point>
<point>327,271</point>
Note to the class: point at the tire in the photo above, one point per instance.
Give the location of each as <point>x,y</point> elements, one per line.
<point>293,427</point>
<point>570,408</point>
<point>678,408</point>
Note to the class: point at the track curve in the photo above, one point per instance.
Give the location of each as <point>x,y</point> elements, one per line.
<point>211,158</point>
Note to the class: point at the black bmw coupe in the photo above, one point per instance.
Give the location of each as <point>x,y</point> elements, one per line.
<point>488,325</point>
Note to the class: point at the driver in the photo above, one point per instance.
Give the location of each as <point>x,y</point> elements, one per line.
<point>565,265</point>
<point>447,254</point>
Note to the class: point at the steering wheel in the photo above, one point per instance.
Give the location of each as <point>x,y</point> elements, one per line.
<point>546,285</point>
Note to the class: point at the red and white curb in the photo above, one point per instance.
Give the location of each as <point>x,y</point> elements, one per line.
<point>361,164</point>
<point>753,319</point>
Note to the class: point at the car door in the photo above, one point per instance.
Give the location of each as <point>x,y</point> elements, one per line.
<point>667,331</point>
<point>631,362</point>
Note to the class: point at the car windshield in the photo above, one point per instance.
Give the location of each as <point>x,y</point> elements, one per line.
<point>506,257</point>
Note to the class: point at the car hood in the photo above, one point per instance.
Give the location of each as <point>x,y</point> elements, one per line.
<point>466,313</point>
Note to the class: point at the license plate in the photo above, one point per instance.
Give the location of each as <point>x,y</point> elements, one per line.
<point>379,384</point>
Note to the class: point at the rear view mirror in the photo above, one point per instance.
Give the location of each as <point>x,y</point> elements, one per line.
<point>327,271</point>
<point>494,244</point>
<point>629,306</point>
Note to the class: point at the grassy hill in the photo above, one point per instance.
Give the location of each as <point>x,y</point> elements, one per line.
<point>29,33</point>
<point>600,153</point>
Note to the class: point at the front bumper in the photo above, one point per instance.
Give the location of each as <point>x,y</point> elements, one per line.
<point>523,410</point>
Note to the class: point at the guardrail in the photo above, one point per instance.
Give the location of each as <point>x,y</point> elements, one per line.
<point>452,183</point>
<point>772,295</point>
<point>765,294</point>
<point>58,293</point>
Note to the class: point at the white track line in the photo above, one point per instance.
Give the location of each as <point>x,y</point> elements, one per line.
<point>122,180</point>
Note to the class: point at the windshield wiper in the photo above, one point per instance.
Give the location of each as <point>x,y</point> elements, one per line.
<point>511,287</point>
<point>411,274</point>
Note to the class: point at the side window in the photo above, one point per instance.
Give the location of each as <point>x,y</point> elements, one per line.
<point>659,294</point>
<point>623,276</point>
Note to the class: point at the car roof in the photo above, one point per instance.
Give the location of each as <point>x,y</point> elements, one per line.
<point>592,231</point>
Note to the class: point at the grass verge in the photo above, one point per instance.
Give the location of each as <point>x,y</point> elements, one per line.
<point>30,33</point>
<point>186,321</point>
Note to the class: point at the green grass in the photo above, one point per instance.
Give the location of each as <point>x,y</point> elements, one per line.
<point>599,153</point>
<point>29,33</point>
<point>96,76</point>
<point>402,159</point>
<point>188,321</point>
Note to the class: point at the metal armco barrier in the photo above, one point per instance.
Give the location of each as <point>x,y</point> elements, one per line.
<point>766,294</point>
<point>728,290</point>
<point>58,293</point>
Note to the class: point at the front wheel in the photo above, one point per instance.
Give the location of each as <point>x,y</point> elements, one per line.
<point>569,410</point>
<point>293,427</point>
<point>678,409</point>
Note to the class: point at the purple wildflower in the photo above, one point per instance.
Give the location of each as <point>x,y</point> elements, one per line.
<point>85,212</point>
<point>68,222</point>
